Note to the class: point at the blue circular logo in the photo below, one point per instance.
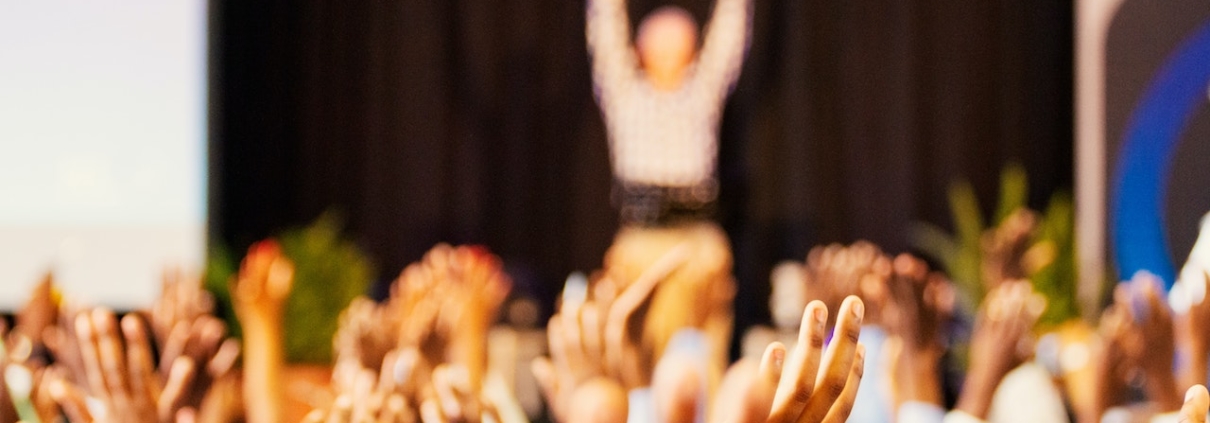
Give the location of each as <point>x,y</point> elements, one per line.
<point>1141,178</point>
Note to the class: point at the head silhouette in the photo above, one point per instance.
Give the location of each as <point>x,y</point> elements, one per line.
<point>666,41</point>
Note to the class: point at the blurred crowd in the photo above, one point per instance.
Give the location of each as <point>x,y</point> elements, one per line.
<point>858,335</point>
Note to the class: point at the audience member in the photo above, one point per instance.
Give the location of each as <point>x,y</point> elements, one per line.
<point>420,355</point>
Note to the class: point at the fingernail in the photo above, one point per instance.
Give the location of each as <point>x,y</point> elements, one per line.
<point>858,310</point>
<point>779,358</point>
<point>820,315</point>
<point>1189,395</point>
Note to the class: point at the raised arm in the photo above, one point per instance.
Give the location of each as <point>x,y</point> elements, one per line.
<point>614,61</point>
<point>726,41</point>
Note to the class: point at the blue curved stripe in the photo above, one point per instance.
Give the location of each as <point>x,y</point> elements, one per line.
<point>1144,165</point>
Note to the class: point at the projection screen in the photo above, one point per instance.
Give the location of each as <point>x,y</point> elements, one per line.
<point>102,146</point>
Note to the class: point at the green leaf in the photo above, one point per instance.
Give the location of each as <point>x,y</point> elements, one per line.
<point>969,226</point>
<point>220,267</point>
<point>964,208</point>
<point>329,272</point>
<point>1057,281</point>
<point>1014,191</point>
<point>933,240</point>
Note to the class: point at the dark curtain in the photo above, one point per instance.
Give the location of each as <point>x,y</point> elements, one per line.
<point>472,121</point>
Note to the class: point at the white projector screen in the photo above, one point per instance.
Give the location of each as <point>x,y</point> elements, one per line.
<point>102,146</point>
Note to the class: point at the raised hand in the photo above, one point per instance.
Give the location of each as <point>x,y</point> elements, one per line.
<point>749,388</point>
<point>1151,343</point>
<point>918,305</point>
<point>999,342</point>
<point>372,397</point>
<point>63,343</point>
<point>260,289</point>
<point>452,398</point>
<point>120,375</point>
<point>1112,366</point>
<point>813,384</point>
<point>601,337</point>
<point>1004,249</point>
<point>598,400</point>
<point>481,287</point>
<point>7,412</point>
<point>920,302</point>
<point>625,356</point>
<point>366,334</point>
<point>425,345</point>
<point>450,299</point>
<point>350,409</point>
<point>1194,323</point>
<point>23,396</point>
<point>184,325</point>
<point>259,292</point>
<point>1192,309</point>
<point>181,299</point>
<point>1197,404</point>
<point>203,341</point>
<point>835,272</point>
<point>38,313</point>
<point>576,338</point>
<point>576,356</point>
<point>396,393</point>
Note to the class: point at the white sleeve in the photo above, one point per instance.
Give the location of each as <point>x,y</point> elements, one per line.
<point>614,61</point>
<point>723,47</point>
<point>1165,417</point>
<point>925,412</point>
<point>640,406</point>
<point>1127,414</point>
<point>922,412</point>
<point>1029,384</point>
<point>919,412</point>
<point>961,417</point>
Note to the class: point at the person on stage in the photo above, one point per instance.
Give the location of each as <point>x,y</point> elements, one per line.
<point>662,98</point>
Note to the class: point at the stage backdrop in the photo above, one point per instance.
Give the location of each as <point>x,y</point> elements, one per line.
<point>473,121</point>
<point>1158,132</point>
<point>1145,134</point>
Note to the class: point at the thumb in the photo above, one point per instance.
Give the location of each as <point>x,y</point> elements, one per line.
<point>1197,401</point>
